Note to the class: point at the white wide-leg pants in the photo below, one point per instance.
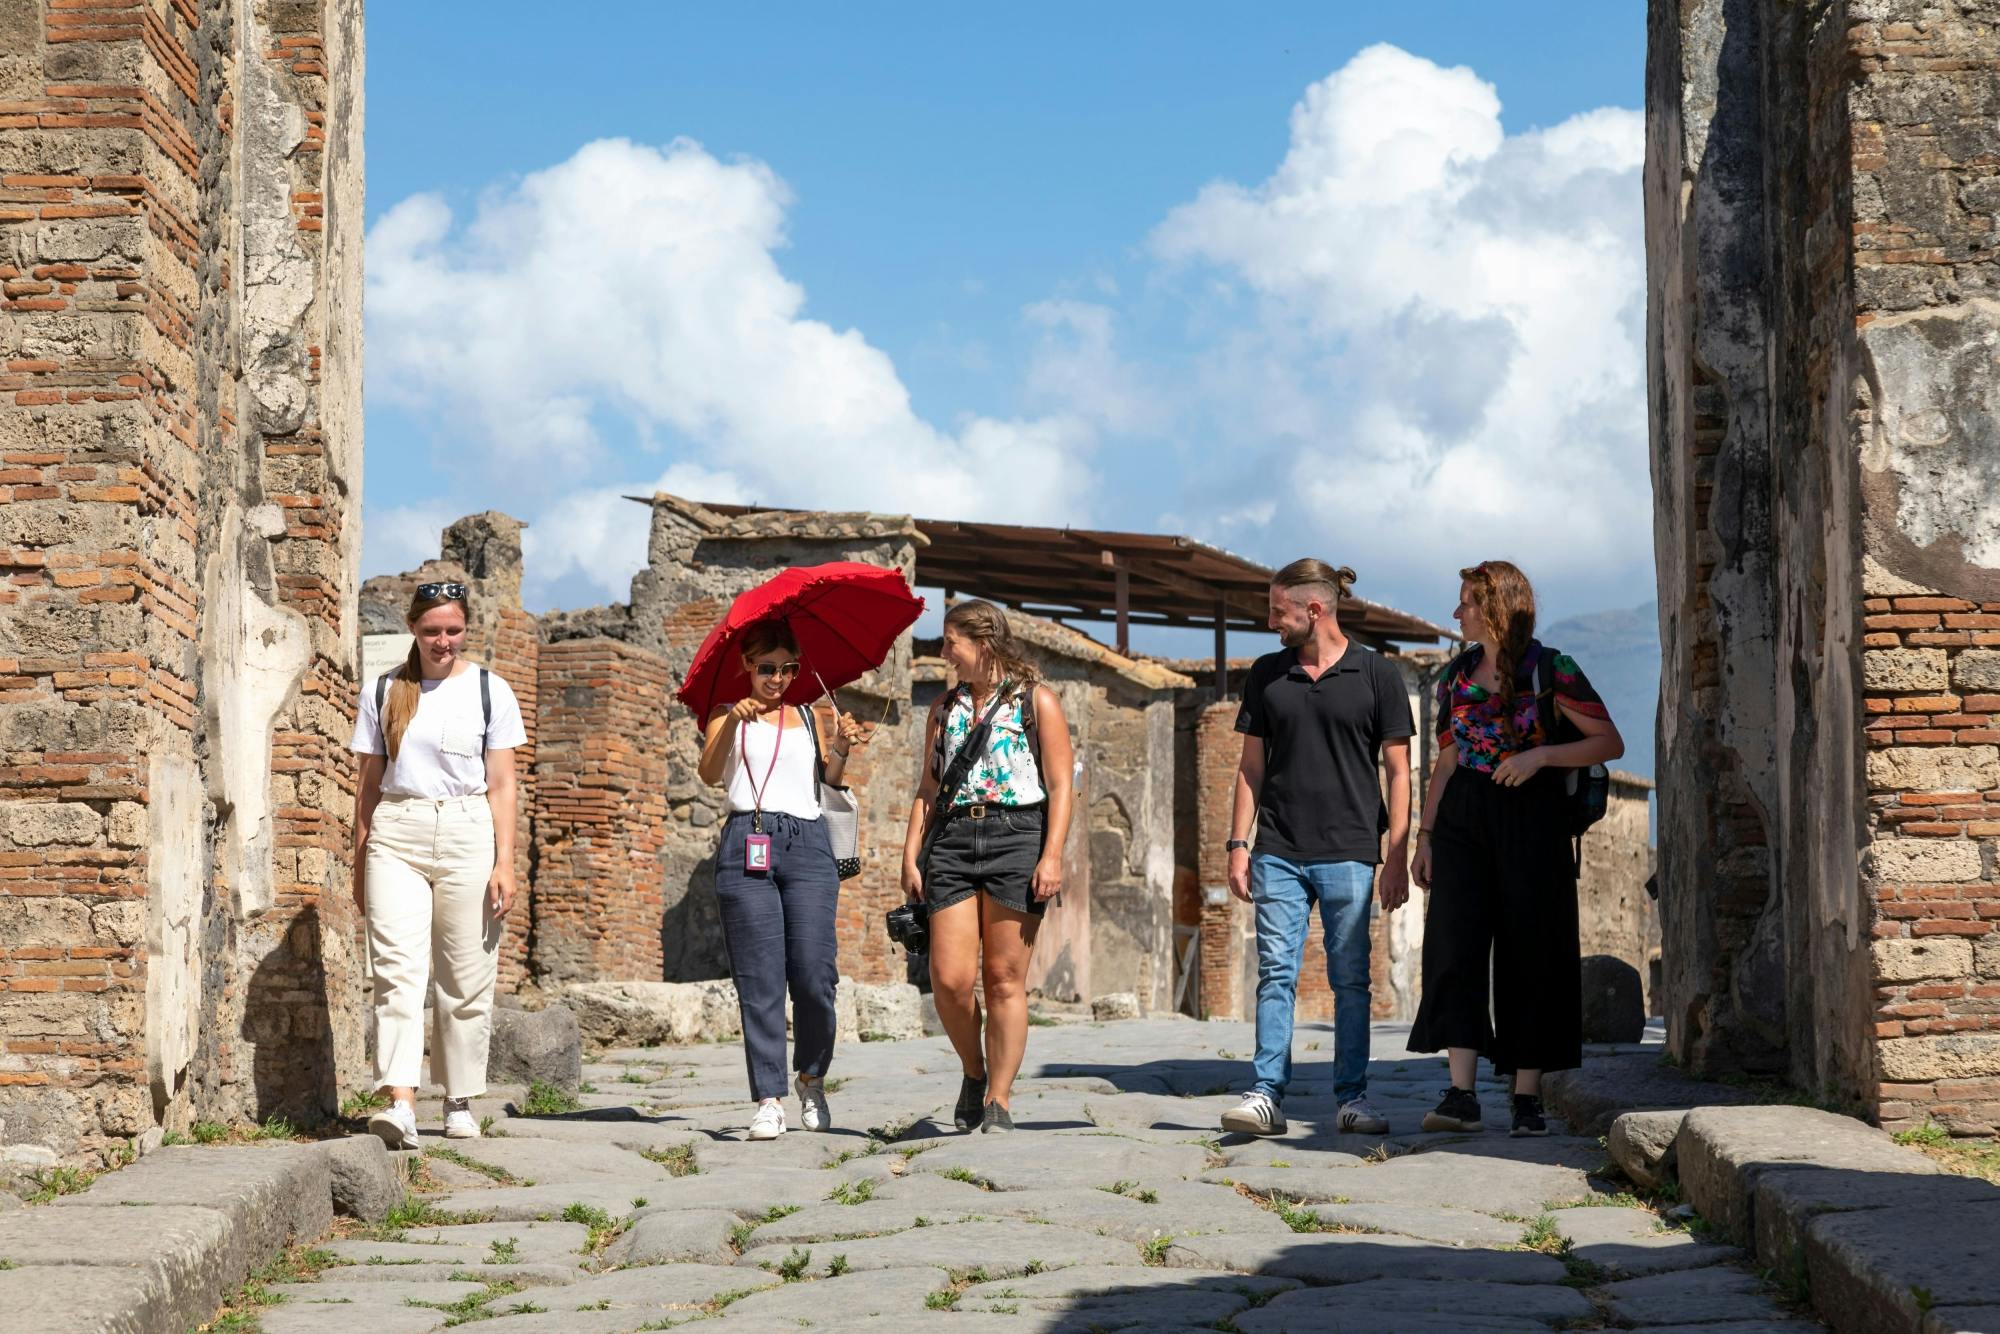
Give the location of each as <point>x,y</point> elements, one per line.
<point>427,866</point>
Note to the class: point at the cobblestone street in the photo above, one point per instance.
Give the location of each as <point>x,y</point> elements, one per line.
<point>1116,1206</point>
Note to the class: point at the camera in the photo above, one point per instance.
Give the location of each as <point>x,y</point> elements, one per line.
<point>910,926</point>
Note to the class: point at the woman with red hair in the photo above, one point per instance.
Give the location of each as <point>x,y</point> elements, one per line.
<point>1494,852</point>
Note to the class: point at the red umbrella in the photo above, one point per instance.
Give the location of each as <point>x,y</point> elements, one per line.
<point>844,614</point>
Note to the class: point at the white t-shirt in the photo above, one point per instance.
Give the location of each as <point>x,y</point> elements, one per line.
<point>792,787</point>
<point>443,752</point>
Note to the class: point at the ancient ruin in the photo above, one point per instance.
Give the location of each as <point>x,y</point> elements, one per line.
<point>180,418</point>
<point>1821,188</point>
<point>623,835</point>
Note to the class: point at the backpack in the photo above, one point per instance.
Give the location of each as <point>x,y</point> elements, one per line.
<point>485,699</point>
<point>1586,791</point>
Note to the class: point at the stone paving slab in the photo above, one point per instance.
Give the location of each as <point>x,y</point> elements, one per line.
<point>181,1255</point>
<point>1512,1301</point>
<point>506,1204</point>
<point>292,1318</point>
<point>532,1241</point>
<point>849,1297</point>
<point>114,1300</point>
<point>1692,1298</point>
<point>1451,1227</point>
<point>998,1248</point>
<point>666,1285</point>
<point>1102,1106</point>
<point>1785,1203</point>
<point>697,1235</point>
<point>1338,1258</point>
<point>1067,1160</point>
<point>1866,1268</point>
<point>334,1291</point>
<point>550,1160</point>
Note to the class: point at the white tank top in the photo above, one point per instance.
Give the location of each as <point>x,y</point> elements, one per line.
<point>791,788</point>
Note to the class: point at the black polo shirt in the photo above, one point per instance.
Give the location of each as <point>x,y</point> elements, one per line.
<point>1321,799</point>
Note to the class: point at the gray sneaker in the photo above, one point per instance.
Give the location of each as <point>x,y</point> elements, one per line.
<point>1358,1118</point>
<point>1255,1115</point>
<point>396,1126</point>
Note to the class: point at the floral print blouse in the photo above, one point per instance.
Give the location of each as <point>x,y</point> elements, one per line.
<point>1006,775</point>
<point>1470,715</point>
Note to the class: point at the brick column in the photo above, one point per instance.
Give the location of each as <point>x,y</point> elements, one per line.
<point>600,812</point>
<point>180,207</point>
<point>1217,751</point>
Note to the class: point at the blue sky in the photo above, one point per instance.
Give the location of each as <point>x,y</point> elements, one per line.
<point>1114,264</point>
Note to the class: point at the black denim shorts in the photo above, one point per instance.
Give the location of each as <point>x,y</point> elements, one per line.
<point>996,854</point>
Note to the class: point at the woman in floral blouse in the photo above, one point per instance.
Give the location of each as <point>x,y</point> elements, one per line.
<point>1493,850</point>
<point>995,858</point>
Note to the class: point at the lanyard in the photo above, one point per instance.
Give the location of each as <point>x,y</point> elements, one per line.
<point>743,749</point>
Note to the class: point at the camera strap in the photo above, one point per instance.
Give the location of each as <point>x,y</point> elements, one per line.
<point>955,773</point>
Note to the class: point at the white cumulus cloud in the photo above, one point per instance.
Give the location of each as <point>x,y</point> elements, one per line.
<point>636,290</point>
<point>1429,332</point>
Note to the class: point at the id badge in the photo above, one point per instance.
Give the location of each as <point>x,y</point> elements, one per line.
<point>757,853</point>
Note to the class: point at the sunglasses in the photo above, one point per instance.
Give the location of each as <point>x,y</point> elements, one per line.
<point>449,588</point>
<point>770,669</point>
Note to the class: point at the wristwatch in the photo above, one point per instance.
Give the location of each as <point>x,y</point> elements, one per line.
<point>1236,843</point>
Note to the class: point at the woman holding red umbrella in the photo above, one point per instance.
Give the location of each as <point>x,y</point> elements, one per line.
<point>775,877</point>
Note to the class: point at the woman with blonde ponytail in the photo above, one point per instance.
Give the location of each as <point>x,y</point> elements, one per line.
<point>434,859</point>
<point>985,856</point>
<point>1494,852</point>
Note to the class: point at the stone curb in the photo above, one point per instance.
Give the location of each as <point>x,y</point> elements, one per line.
<point>157,1247</point>
<point>1878,1236</point>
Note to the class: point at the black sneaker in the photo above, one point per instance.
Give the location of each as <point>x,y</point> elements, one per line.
<point>1458,1111</point>
<point>1528,1118</point>
<point>971,1097</point>
<point>997,1122</point>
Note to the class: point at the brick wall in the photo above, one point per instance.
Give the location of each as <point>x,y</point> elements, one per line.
<point>1217,751</point>
<point>600,816</point>
<point>177,451</point>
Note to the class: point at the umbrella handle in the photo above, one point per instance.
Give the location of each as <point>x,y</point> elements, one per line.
<point>828,693</point>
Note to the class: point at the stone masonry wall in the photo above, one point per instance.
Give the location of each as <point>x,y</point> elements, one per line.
<point>600,814</point>
<point>1821,186</point>
<point>1922,121</point>
<point>180,215</point>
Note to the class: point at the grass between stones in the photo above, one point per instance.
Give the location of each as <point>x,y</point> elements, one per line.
<point>415,1212</point>
<point>1301,1219</point>
<point>1965,1157</point>
<point>504,1252</point>
<point>679,1160</point>
<point>603,1227</point>
<point>739,1235</point>
<point>1154,1252</point>
<point>240,1310</point>
<point>966,1175</point>
<point>853,1192</point>
<point>1130,1190</point>
<point>53,1182</point>
<point>480,1305</point>
<point>946,1299</point>
<point>545,1099</point>
<point>358,1105</point>
<point>498,1174</point>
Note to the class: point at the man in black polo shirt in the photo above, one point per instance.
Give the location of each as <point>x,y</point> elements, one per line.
<point>1315,717</point>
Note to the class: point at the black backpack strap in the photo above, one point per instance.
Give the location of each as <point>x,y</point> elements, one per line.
<point>1545,694</point>
<point>1031,724</point>
<point>485,703</point>
<point>381,693</point>
<point>812,732</point>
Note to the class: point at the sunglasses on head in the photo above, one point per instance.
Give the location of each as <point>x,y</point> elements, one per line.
<point>767,669</point>
<point>449,588</point>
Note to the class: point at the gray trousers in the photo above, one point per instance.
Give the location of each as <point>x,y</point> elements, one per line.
<point>779,929</point>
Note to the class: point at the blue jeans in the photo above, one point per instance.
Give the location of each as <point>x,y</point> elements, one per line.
<point>1284,892</point>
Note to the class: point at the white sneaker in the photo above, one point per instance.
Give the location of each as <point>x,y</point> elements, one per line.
<point>1255,1115</point>
<point>396,1126</point>
<point>1358,1118</point>
<point>769,1123</point>
<point>813,1111</point>
<point>458,1122</point>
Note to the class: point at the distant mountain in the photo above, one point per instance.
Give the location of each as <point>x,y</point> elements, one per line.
<point>1620,652</point>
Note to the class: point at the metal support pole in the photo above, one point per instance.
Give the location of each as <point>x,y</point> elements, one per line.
<point>1124,611</point>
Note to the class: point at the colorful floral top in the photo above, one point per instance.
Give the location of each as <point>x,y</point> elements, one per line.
<point>1470,715</point>
<point>1006,775</point>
